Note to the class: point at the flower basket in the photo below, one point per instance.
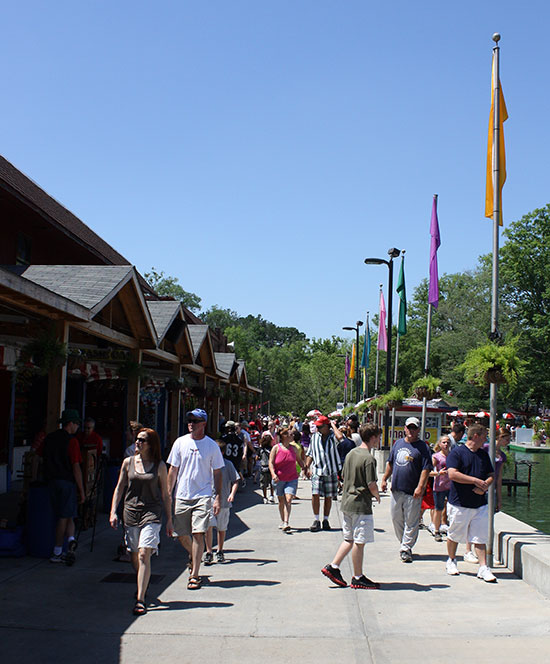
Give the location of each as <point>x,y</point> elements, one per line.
<point>495,375</point>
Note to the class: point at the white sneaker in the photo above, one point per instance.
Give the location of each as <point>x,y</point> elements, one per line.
<point>470,557</point>
<point>281,525</point>
<point>451,567</point>
<point>265,501</point>
<point>431,528</point>
<point>443,528</point>
<point>271,499</point>
<point>486,574</point>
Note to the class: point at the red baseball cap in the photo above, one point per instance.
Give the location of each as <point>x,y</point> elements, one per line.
<point>322,420</point>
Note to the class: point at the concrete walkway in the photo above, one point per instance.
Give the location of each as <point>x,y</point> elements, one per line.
<point>269,603</point>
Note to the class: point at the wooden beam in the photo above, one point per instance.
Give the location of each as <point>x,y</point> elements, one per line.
<point>99,330</point>
<point>162,355</point>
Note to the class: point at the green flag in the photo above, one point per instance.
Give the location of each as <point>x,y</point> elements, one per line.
<point>402,324</point>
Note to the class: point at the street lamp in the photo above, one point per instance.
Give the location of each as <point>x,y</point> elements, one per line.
<point>357,372</point>
<point>392,253</point>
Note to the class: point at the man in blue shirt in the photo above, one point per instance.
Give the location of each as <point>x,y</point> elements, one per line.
<point>409,465</point>
<point>471,473</point>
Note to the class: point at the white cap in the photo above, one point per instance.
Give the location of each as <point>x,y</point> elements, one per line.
<point>413,420</point>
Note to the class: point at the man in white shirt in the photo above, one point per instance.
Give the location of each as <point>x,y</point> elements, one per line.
<point>193,460</point>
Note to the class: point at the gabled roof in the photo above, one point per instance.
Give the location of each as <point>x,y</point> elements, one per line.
<point>197,334</point>
<point>14,181</point>
<point>226,363</point>
<point>241,373</point>
<point>93,287</point>
<point>163,313</point>
<point>89,285</point>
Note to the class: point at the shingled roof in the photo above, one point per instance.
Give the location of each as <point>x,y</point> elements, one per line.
<point>226,363</point>
<point>14,181</point>
<point>88,285</point>
<point>163,313</point>
<point>197,334</point>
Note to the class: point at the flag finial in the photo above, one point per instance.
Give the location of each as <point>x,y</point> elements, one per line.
<point>496,37</point>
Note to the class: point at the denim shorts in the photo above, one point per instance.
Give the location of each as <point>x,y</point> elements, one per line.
<point>439,499</point>
<point>286,487</point>
<point>63,499</point>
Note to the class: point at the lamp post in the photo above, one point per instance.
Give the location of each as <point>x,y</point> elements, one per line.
<point>261,383</point>
<point>357,371</point>
<point>392,253</point>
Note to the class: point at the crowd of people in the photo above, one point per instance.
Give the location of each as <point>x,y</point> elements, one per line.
<point>197,485</point>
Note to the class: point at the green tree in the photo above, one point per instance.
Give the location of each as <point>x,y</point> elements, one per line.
<point>170,287</point>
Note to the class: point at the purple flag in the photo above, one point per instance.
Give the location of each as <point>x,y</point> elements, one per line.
<point>382,335</point>
<point>348,367</point>
<point>433,292</point>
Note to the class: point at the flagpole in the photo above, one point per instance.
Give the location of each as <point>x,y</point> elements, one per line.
<point>396,355</point>
<point>367,331</point>
<point>377,353</point>
<point>429,325</point>
<point>495,334</point>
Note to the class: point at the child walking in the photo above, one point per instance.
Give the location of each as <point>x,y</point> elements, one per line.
<point>230,484</point>
<point>359,487</point>
<point>265,474</point>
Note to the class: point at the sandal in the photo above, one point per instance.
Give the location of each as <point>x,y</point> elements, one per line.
<point>140,609</point>
<point>194,583</point>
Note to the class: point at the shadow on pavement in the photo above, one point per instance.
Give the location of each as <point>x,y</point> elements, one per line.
<point>417,587</point>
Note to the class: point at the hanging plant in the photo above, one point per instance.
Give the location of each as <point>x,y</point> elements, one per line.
<point>493,363</point>
<point>130,369</point>
<point>426,387</point>
<point>46,352</point>
<point>393,398</point>
<point>174,384</point>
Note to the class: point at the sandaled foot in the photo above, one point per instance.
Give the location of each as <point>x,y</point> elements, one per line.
<point>140,609</point>
<point>194,583</point>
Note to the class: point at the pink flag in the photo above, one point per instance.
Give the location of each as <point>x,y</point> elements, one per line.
<point>433,291</point>
<point>382,335</point>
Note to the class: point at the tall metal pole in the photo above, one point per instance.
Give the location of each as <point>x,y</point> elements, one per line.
<point>366,390</point>
<point>388,352</point>
<point>495,334</point>
<point>377,358</point>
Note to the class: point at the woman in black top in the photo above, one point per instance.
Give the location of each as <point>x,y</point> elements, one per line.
<point>145,477</point>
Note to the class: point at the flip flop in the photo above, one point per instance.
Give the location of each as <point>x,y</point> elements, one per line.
<point>140,609</point>
<point>194,583</point>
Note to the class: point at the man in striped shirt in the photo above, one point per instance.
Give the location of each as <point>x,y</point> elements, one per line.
<point>323,464</point>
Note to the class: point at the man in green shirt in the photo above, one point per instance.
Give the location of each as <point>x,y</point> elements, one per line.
<point>359,488</point>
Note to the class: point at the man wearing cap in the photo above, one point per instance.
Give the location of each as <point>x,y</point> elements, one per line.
<point>60,452</point>
<point>323,462</point>
<point>409,466</point>
<point>194,459</point>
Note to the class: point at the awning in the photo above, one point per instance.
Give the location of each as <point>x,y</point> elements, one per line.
<point>95,372</point>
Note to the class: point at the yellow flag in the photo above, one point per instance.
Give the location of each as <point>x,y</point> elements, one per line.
<point>352,368</point>
<point>503,116</point>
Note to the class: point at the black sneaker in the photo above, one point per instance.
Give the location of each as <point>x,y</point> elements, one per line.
<point>334,575</point>
<point>70,556</point>
<point>364,583</point>
<point>220,558</point>
<point>208,558</point>
<point>326,524</point>
<point>406,556</point>
<point>315,527</point>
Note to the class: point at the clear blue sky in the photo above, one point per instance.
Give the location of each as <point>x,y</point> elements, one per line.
<point>259,150</point>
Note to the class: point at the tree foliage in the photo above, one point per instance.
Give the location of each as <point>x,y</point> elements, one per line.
<point>170,287</point>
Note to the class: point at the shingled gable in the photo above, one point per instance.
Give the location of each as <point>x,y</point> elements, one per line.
<point>22,187</point>
<point>241,373</point>
<point>169,322</point>
<point>203,352</point>
<point>226,364</point>
<point>96,286</point>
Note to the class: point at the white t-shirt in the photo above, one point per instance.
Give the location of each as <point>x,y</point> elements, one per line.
<point>195,461</point>
<point>356,439</point>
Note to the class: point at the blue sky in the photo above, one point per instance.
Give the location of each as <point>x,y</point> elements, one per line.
<point>259,150</point>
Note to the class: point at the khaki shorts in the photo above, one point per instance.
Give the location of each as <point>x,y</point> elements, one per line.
<point>358,528</point>
<point>192,516</point>
<point>222,520</point>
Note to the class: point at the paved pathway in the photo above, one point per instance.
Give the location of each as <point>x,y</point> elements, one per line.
<point>270,603</point>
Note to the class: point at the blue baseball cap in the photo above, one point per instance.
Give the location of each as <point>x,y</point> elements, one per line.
<point>199,413</point>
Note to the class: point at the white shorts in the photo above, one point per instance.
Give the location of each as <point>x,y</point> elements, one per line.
<point>468,524</point>
<point>221,521</point>
<point>142,537</point>
<point>358,528</point>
